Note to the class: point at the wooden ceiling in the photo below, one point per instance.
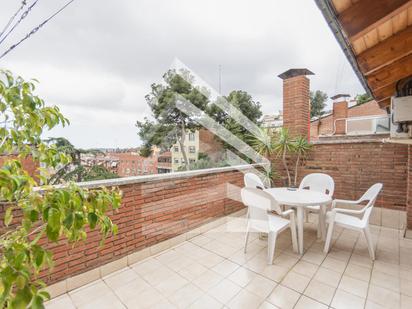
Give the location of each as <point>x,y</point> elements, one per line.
<point>378,33</point>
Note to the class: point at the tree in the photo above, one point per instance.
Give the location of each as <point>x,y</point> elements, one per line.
<point>317,103</point>
<point>246,105</point>
<point>74,170</point>
<point>46,211</point>
<point>300,148</point>
<point>170,124</point>
<point>362,98</point>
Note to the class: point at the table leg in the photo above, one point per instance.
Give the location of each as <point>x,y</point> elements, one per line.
<point>322,217</point>
<point>299,214</point>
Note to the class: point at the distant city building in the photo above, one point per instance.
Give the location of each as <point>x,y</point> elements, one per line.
<point>274,121</point>
<point>164,162</point>
<point>201,141</point>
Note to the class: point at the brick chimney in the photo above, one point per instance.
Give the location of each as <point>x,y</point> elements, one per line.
<point>296,102</point>
<point>340,112</point>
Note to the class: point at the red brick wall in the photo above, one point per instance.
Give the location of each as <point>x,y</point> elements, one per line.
<point>356,166</point>
<point>151,212</point>
<point>409,188</point>
<point>325,126</point>
<point>296,106</point>
<point>340,111</point>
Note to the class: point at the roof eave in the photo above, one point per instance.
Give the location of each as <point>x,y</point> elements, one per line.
<point>329,14</point>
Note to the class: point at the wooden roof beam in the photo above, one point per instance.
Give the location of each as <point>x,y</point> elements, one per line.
<point>386,52</point>
<point>365,15</point>
<point>390,74</point>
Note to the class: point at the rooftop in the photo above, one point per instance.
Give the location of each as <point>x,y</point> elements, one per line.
<point>210,270</point>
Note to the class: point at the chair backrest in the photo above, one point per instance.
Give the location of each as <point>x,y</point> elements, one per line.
<point>259,203</point>
<point>318,182</point>
<point>253,181</point>
<point>370,195</point>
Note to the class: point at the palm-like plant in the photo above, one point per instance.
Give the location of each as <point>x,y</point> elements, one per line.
<point>283,146</point>
<point>300,148</point>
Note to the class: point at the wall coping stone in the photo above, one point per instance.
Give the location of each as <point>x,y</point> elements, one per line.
<point>168,176</point>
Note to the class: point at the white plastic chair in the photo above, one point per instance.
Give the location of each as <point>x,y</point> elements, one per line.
<point>253,181</point>
<point>321,183</point>
<point>266,216</point>
<point>354,219</point>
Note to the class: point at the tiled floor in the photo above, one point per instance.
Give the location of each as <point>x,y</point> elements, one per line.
<point>211,271</point>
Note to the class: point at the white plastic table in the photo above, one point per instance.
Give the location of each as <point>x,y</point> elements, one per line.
<point>300,198</point>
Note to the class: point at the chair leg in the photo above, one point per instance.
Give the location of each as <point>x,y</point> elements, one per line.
<point>271,246</point>
<point>369,242</point>
<point>328,237</point>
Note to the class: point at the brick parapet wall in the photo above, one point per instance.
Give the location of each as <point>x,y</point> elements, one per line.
<point>356,165</point>
<point>154,209</point>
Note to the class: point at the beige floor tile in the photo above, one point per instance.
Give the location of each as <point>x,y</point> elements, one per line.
<point>354,286</point>
<point>242,276</point>
<point>170,285</point>
<point>179,263</point>
<point>345,300</point>
<point>314,257</point>
<point>286,260</point>
<point>296,281</point>
<point>383,297</point>
<point>358,272</point>
<point>305,268</point>
<point>206,302</point>
<point>274,272</point>
<point>207,280</point>
<point>307,303</point>
<point>185,296</point>
<point>108,301</point>
<point>225,268</point>
<point>406,302</point>
<point>283,297</point>
<point>60,302</point>
<point>328,277</point>
<point>334,264</point>
<point>89,293</point>
<point>386,281</point>
<point>387,268</point>
<point>320,292</point>
<point>200,240</point>
<point>146,266</point>
<point>245,299</point>
<point>267,305</point>
<point>361,260</point>
<point>131,289</point>
<point>261,286</point>
<point>210,260</point>
<point>162,304</point>
<point>372,305</point>
<point>144,299</point>
<point>224,291</point>
<point>120,278</point>
<point>159,275</point>
<point>192,271</point>
<point>406,286</point>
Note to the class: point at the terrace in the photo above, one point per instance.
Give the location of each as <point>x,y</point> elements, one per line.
<point>181,235</point>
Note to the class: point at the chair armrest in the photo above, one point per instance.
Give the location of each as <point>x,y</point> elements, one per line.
<point>348,211</point>
<point>344,202</point>
<point>289,212</point>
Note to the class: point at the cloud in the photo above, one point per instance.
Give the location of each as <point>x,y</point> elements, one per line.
<point>98,59</point>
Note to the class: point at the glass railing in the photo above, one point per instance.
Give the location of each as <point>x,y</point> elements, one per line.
<point>368,125</point>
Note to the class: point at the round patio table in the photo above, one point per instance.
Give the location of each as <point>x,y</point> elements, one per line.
<point>299,198</point>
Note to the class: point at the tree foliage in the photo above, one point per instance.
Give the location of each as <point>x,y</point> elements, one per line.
<point>74,170</point>
<point>170,124</point>
<point>363,98</point>
<point>317,103</point>
<point>46,211</point>
<point>244,102</point>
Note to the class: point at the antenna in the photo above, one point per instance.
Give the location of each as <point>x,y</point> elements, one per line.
<point>220,79</point>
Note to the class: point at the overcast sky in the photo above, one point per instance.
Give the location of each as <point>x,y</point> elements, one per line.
<point>97,59</point>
